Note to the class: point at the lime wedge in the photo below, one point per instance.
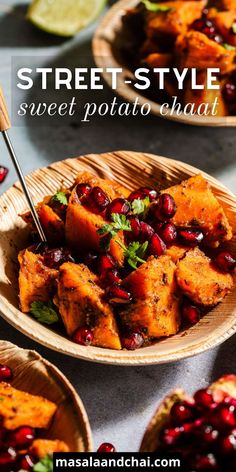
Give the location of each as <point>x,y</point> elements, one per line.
<point>64,17</point>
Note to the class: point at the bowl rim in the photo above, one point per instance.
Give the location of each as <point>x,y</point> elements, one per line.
<point>102,50</point>
<point>52,340</point>
<point>65,384</point>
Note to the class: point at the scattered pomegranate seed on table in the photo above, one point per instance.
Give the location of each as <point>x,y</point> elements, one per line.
<point>83,336</point>
<point>3,173</point>
<point>5,373</point>
<point>106,447</point>
<point>132,341</point>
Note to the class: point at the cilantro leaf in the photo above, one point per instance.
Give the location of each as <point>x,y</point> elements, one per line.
<point>229,47</point>
<point>45,465</point>
<point>156,7</point>
<point>234,28</point>
<point>109,231</point>
<point>60,197</point>
<point>134,252</point>
<point>44,312</point>
<point>139,207</point>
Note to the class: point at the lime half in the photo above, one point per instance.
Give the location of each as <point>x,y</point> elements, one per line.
<point>64,17</point>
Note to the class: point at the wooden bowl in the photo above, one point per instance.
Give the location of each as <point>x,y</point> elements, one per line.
<point>107,50</point>
<point>35,375</point>
<point>133,170</point>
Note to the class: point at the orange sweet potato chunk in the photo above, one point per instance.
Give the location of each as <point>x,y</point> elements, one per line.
<point>197,205</point>
<point>224,21</point>
<point>156,307</point>
<point>19,408</point>
<point>110,187</point>
<point>81,230</point>
<point>40,448</point>
<point>36,281</point>
<point>176,252</point>
<point>52,224</point>
<point>175,21</point>
<point>195,49</point>
<point>80,302</point>
<point>200,280</point>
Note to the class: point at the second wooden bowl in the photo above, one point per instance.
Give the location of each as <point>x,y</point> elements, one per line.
<point>132,170</point>
<point>37,376</point>
<point>108,51</point>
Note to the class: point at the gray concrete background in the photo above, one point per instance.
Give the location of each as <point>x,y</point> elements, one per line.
<point>119,400</point>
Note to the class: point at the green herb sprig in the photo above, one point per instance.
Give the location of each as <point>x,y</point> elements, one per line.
<point>134,252</point>
<point>109,231</point>
<point>45,465</point>
<point>60,198</point>
<point>229,47</point>
<point>139,207</point>
<point>44,312</point>
<point>156,7</point>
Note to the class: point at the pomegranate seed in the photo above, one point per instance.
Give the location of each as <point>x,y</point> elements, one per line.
<point>83,336</point>
<point>229,93</point>
<point>149,192</point>
<point>216,37</point>
<point>146,232</point>
<point>109,277</point>
<point>5,373</point>
<point>3,173</point>
<point>119,205</point>
<point>224,415</point>
<point>136,195</point>
<point>182,412</point>
<point>83,190</point>
<point>170,436</point>
<point>207,434</point>
<point>21,437</point>
<point>190,236</point>
<point>166,206</point>
<point>132,341</point>
<point>168,233</point>
<point>106,447</point>
<point>158,226</point>
<point>228,444</point>
<point>98,200</point>
<point>230,401</point>
<point>203,398</point>
<point>7,460</point>
<point>118,295</point>
<point>105,262</point>
<point>157,247</point>
<point>225,261</point>
<point>91,260</point>
<point>190,313</point>
<point>54,258</point>
<point>205,463</point>
<point>135,227</point>
<point>198,25</point>
<point>27,462</point>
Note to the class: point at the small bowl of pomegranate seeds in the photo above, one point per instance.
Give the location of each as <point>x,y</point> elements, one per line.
<point>201,430</point>
<point>130,273</point>
<point>32,414</point>
<point>175,45</point>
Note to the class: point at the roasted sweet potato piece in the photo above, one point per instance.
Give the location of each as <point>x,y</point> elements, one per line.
<point>40,448</point>
<point>19,408</point>
<point>36,281</point>
<point>112,188</point>
<point>206,95</point>
<point>224,21</point>
<point>158,60</point>
<point>200,280</point>
<point>225,4</point>
<point>197,206</point>
<point>156,307</point>
<point>80,302</point>
<point>53,225</point>
<point>81,230</point>
<point>176,252</point>
<point>196,50</point>
<point>176,20</point>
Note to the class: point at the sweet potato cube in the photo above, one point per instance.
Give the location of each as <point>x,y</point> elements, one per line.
<point>36,281</point>
<point>156,307</point>
<point>200,280</point>
<point>81,230</point>
<point>176,252</point>
<point>19,408</point>
<point>224,21</point>
<point>110,187</point>
<point>53,225</point>
<point>196,50</point>
<point>197,206</point>
<point>80,302</point>
<point>40,448</point>
<point>158,59</point>
<point>175,20</point>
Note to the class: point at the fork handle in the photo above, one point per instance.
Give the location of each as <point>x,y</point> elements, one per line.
<point>5,123</point>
